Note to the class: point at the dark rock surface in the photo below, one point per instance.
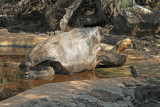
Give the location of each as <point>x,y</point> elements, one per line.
<point>137,24</point>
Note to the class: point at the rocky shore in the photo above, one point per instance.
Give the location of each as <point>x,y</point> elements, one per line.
<point>138,92</point>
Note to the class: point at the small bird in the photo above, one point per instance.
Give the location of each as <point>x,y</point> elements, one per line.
<point>133,71</point>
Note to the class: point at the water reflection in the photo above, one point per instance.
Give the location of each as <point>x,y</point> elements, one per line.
<point>144,62</point>
<point>12,79</point>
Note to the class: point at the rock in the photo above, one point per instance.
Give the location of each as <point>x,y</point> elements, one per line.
<point>20,39</point>
<point>155,4</point>
<point>4,32</point>
<point>92,93</point>
<point>137,23</point>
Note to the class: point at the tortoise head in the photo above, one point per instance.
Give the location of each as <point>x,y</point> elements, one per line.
<point>126,42</point>
<point>122,45</point>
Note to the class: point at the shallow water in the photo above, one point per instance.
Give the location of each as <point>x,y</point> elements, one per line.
<point>12,79</point>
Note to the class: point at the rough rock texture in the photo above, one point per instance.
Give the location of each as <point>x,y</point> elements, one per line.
<point>100,92</point>
<point>89,13</point>
<point>155,4</point>
<point>137,24</point>
<point>20,15</point>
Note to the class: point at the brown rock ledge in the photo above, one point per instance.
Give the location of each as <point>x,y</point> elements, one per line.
<point>92,93</point>
<point>20,39</point>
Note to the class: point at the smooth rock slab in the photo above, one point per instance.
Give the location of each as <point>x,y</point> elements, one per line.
<point>93,93</point>
<point>114,92</point>
<point>20,39</point>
